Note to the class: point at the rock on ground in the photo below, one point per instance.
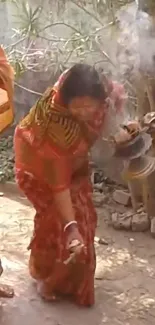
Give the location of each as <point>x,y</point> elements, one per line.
<point>122,197</point>
<point>140,222</point>
<point>121,221</point>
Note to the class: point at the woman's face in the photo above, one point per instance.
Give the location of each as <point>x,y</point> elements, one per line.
<point>84,107</point>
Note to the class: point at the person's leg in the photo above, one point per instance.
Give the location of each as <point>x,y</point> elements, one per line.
<point>83,273</point>
<point>47,247</point>
<point>42,268</point>
<point>5,290</point>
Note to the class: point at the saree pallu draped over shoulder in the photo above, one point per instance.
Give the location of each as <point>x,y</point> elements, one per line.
<point>51,150</point>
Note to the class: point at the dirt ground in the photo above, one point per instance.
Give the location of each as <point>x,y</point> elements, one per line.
<point>125,275</point>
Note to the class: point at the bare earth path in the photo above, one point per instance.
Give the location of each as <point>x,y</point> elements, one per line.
<point>125,284</point>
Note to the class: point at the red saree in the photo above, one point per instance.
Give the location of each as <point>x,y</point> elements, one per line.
<point>51,151</point>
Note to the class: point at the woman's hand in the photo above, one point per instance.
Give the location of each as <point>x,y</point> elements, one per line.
<point>133,127</point>
<point>122,136</point>
<point>74,240</point>
<point>126,132</point>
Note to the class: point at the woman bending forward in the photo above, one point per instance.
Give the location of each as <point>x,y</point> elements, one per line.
<point>51,150</point>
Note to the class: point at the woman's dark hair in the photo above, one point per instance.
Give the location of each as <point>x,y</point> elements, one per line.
<point>82,80</point>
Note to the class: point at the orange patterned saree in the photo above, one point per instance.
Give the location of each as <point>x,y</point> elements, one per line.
<point>51,150</point>
<point>6,92</point>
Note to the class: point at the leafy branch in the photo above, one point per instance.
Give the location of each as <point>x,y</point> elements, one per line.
<point>37,47</point>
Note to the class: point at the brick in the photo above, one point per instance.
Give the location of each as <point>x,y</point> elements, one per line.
<point>122,197</point>
<point>121,221</point>
<point>140,222</point>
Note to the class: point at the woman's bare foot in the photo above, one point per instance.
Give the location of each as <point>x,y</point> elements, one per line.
<point>45,293</point>
<point>6,291</point>
<point>1,268</point>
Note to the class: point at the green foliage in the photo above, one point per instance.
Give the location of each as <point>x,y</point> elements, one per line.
<point>29,19</point>
<point>92,20</point>
<point>19,67</point>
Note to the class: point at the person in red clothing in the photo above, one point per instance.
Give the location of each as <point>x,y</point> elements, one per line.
<point>6,92</point>
<point>6,118</point>
<point>51,164</point>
